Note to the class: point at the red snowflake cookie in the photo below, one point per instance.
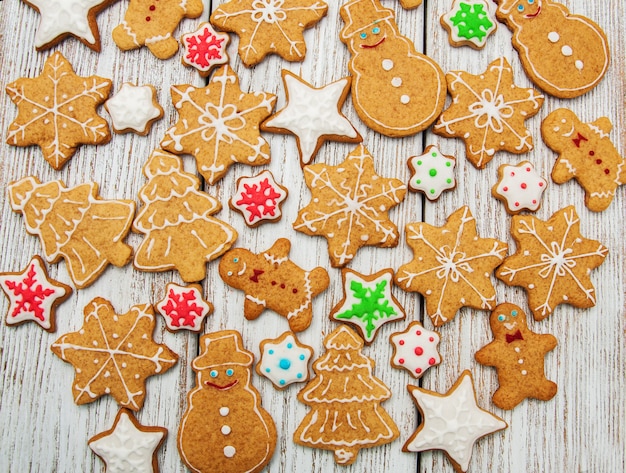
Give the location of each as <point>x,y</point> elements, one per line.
<point>258,198</point>
<point>183,307</point>
<point>204,49</point>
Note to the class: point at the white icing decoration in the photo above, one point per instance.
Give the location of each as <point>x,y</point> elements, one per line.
<point>474,39</point>
<point>132,108</point>
<point>226,430</point>
<point>396,82</point>
<point>405,99</point>
<point>553,36</point>
<point>579,64</point>
<point>433,173</point>
<point>224,411</point>
<point>387,64</point>
<point>521,187</point>
<point>415,349</point>
<point>229,451</point>
<point>285,361</point>
<point>183,297</point>
<point>566,51</point>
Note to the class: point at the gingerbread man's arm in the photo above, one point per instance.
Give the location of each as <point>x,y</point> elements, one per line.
<point>602,126</point>
<point>278,251</point>
<point>548,342</point>
<point>488,355</point>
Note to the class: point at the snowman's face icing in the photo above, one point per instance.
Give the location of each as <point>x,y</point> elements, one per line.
<point>371,37</point>
<point>222,378</point>
<point>525,10</point>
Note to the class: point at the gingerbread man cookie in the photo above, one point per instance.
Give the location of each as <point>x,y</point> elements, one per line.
<point>272,281</point>
<point>518,355</point>
<point>151,23</point>
<point>587,154</point>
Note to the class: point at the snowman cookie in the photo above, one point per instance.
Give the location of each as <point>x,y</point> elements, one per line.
<point>545,34</point>
<point>396,90</point>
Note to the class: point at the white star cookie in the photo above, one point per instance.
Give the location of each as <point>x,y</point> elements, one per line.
<point>432,172</point>
<point>284,361</point>
<point>519,187</point>
<point>134,109</point>
<point>313,115</point>
<point>452,422</point>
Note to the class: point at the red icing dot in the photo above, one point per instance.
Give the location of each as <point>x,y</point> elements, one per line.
<point>512,173</point>
<point>294,290</point>
<point>419,332</point>
<point>152,8</point>
<point>418,370</point>
<point>541,184</point>
<point>431,361</point>
<point>598,161</point>
<point>534,201</point>
<point>401,342</point>
<point>282,286</point>
<point>401,361</point>
<point>419,351</point>
<point>431,339</point>
<point>524,186</point>
<point>592,153</point>
<point>147,18</point>
<point>527,169</point>
<point>516,204</point>
<point>505,189</point>
<point>607,171</point>
<point>273,283</point>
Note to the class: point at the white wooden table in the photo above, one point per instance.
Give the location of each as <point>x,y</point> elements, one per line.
<point>583,429</point>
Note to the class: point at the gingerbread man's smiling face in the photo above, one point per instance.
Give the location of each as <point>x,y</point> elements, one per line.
<point>508,322</point>
<point>234,266</point>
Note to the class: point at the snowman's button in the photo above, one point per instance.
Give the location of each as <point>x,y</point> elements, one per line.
<point>229,451</point>
<point>579,65</point>
<point>224,411</point>
<point>226,429</point>
<point>387,64</point>
<point>405,99</point>
<point>553,36</point>
<point>396,82</point>
<point>566,50</point>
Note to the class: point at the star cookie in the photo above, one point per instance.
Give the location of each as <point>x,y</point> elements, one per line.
<point>134,109</point>
<point>205,49</point>
<point>349,206</point>
<point>313,115</point>
<point>367,303</point>
<point>33,296</point>
<point>183,307</point>
<point>415,349</point>
<point>432,173</point>
<point>259,199</point>
<point>284,361</point>
<point>488,112</point>
<point>520,187</point>
<point>114,354</point>
<point>587,154</point>
<point>269,26</point>
<point>57,111</point>
<point>553,262</point>
<point>129,446</point>
<point>219,124</point>
<point>451,422</point>
<point>451,266</point>
<point>469,23</point>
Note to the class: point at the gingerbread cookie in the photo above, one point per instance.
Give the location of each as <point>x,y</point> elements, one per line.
<point>151,23</point>
<point>469,23</point>
<point>410,4</point>
<point>269,27</point>
<point>518,355</point>
<point>63,18</point>
<point>57,111</point>
<point>488,112</point>
<point>183,307</point>
<point>114,354</point>
<point>451,266</point>
<point>367,302</point>
<point>284,361</point>
<point>176,218</point>
<point>415,349</point>
<point>225,428</point>
<point>259,199</point>
<point>33,295</point>
<point>272,281</point>
<point>219,124</point>
<point>75,224</point>
<point>350,205</point>
<point>134,109</point>
<point>128,446</point>
<point>587,154</point>
<point>432,173</point>
<point>204,49</point>
<point>345,399</point>
<point>313,115</point>
<point>451,422</point>
<point>396,91</point>
<point>553,262</point>
<point>520,187</point>
<point>545,34</point>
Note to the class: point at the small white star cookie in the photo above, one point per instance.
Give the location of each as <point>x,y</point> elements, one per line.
<point>284,361</point>
<point>432,172</point>
<point>134,109</point>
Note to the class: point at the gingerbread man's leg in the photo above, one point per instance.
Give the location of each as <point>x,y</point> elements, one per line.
<point>598,203</point>
<point>545,391</point>
<point>161,47</point>
<point>301,321</point>
<point>507,399</point>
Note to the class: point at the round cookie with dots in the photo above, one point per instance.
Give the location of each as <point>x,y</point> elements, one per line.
<point>519,187</point>
<point>284,360</point>
<point>415,349</point>
<point>432,172</point>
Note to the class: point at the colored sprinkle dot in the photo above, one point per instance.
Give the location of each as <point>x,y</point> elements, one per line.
<point>434,154</point>
<point>401,361</point>
<point>147,18</point>
<point>284,364</point>
<point>401,342</point>
<point>516,204</point>
<point>290,345</point>
<point>432,172</point>
<point>514,313</point>
<point>419,351</point>
<point>418,370</point>
<point>419,332</point>
<point>302,357</point>
<point>534,201</point>
<point>541,184</point>
<point>431,361</point>
<point>592,153</point>
<point>448,164</point>
<point>267,370</point>
<point>449,181</point>
<point>419,181</point>
<point>431,339</point>
<point>295,291</point>
<point>282,286</point>
<point>524,186</point>
<point>432,191</point>
<point>505,189</point>
<point>299,376</point>
<point>282,382</point>
<point>419,163</point>
<point>152,8</point>
<point>512,173</point>
<point>527,169</point>
<point>607,171</point>
<point>271,352</point>
<point>598,161</point>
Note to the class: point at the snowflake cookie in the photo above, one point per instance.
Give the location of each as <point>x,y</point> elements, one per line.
<point>350,205</point>
<point>183,307</point>
<point>469,23</point>
<point>520,187</point>
<point>259,199</point>
<point>313,115</point>
<point>451,422</point>
<point>553,262</point>
<point>269,26</point>
<point>33,295</point>
<point>488,112</point>
<point>219,124</point>
<point>451,266</point>
<point>415,349</point>
<point>204,49</point>
<point>134,109</point>
<point>284,361</point>
<point>129,446</point>
<point>432,173</point>
<point>57,111</point>
<point>114,354</point>
<point>367,303</point>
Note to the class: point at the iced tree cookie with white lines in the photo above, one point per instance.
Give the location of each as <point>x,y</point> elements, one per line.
<point>219,124</point>
<point>350,206</point>
<point>183,307</point>
<point>259,199</point>
<point>269,26</point>
<point>520,187</point>
<point>176,219</point>
<point>546,34</point>
<point>284,360</point>
<point>553,262</point>
<point>488,112</point>
<point>57,111</point>
<point>415,349</point>
<point>587,154</point>
<point>451,266</point>
<point>151,23</point>
<point>114,354</point>
<point>75,224</point>
<point>33,295</point>
<point>134,109</point>
<point>396,90</point>
<point>432,173</point>
<point>204,49</point>
<point>272,281</point>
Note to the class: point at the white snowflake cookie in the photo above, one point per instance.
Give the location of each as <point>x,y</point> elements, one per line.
<point>284,361</point>
<point>259,199</point>
<point>432,173</point>
<point>134,109</point>
<point>519,187</point>
<point>183,307</point>
<point>415,349</point>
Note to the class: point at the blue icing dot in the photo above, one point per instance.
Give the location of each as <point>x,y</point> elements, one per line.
<point>302,357</point>
<point>282,382</point>
<point>299,376</point>
<point>267,370</point>
<point>271,352</point>
<point>290,345</point>
<point>284,364</point>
